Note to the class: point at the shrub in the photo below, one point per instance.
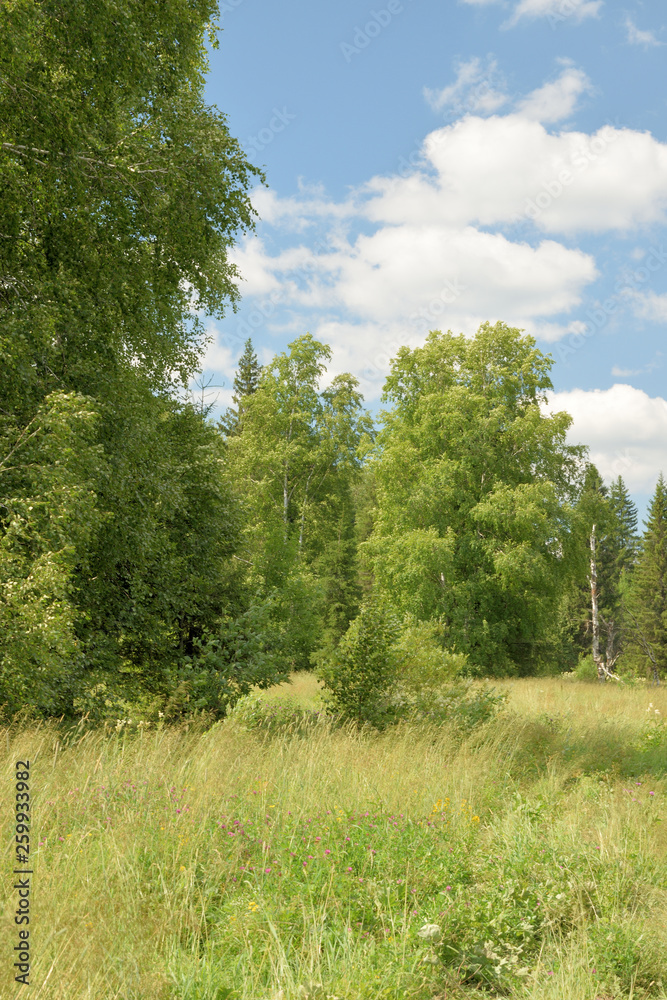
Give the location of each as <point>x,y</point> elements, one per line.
<point>254,714</point>
<point>423,663</point>
<point>361,673</point>
<point>585,669</point>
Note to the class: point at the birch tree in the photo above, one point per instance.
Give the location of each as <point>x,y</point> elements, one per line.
<point>294,465</point>
<point>475,488</point>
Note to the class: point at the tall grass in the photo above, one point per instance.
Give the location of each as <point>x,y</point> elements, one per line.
<point>190,865</point>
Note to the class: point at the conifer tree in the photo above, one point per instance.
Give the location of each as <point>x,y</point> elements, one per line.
<point>647,600</point>
<point>626,540</point>
<point>246,382</point>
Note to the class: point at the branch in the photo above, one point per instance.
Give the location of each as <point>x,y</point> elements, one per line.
<point>21,440</point>
<point>21,150</point>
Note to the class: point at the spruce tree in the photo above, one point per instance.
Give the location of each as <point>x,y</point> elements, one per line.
<point>246,381</point>
<point>647,600</point>
<point>626,540</point>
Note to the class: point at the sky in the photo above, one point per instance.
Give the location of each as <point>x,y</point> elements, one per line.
<point>433,164</point>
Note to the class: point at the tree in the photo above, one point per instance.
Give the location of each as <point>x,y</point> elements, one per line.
<point>475,485</point>
<point>361,674</point>
<point>246,382</point>
<point>647,598</point>
<point>122,195</point>
<point>626,537</point>
<point>295,464</point>
<point>48,516</point>
<point>607,525</point>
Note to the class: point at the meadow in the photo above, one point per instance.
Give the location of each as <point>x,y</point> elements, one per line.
<point>276,856</point>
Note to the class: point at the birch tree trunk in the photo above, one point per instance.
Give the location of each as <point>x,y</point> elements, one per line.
<point>595,614</point>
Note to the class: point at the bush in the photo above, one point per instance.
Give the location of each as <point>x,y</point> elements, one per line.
<point>423,663</point>
<point>361,674</point>
<point>585,669</point>
<point>464,703</point>
<point>254,714</point>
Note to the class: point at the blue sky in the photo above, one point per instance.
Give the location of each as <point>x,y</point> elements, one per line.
<point>432,165</point>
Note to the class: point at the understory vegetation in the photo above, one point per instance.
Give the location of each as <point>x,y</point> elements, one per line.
<point>277,855</point>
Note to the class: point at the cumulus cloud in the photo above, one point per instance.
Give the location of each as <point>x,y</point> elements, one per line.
<point>555,10</point>
<point>637,37</point>
<point>508,168</point>
<point>471,233</point>
<point>556,100</point>
<point>624,428</point>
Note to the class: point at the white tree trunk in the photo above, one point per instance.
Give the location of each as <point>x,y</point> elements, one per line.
<point>595,614</point>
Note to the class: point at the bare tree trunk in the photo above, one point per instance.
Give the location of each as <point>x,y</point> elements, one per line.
<point>595,612</point>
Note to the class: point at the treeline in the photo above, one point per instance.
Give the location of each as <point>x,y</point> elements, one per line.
<point>465,513</point>
<point>154,563</point>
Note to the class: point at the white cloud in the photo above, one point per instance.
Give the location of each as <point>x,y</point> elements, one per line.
<point>556,100</point>
<point>473,90</point>
<point>637,37</point>
<point>506,169</point>
<point>556,10</point>
<point>402,269</point>
<point>651,306</point>
<point>438,248</point>
<point>624,428</point>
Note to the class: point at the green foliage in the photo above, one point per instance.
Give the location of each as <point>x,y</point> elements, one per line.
<point>647,596</point>
<point>294,465</point>
<point>474,523</point>
<point>246,382</point>
<point>586,670</point>
<point>463,704</point>
<point>297,612</point>
<point>361,673</point>
<point>424,663</point>
<point>122,192</point>
<point>278,716</point>
<point>48,520</point>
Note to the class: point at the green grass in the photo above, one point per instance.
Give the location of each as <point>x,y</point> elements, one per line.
<point>302,861</point>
